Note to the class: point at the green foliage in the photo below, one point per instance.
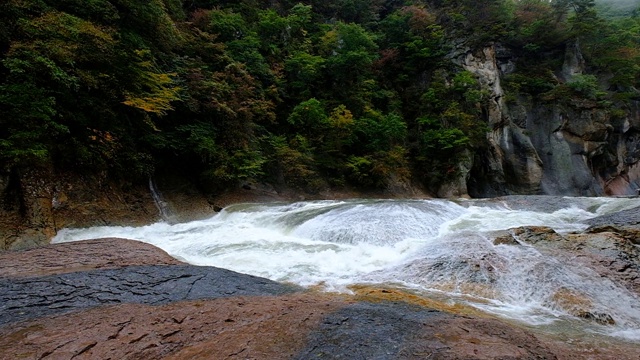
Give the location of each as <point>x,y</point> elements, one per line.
<point>227,25</point>
<point>293,162</point>
<point>154,90</point>
<point>480,21</point>
<point>303,73</point>
<point>309,116</point>
<point>375,131</point>
<point>537,27</point>
<point>304,94</point>
<point>614,49</point>
<point>586,85</point>
<point>532,83</point>
<point>436,137</point>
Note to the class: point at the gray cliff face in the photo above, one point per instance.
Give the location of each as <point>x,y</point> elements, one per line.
<point>568,141</point>
<point>511,164</point>
<point>571,147</point>
<point>623,176</point>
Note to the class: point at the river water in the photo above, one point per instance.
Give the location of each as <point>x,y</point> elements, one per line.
<point>438,249</point>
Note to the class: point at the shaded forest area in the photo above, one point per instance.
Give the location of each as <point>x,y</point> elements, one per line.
<point>307,94</point>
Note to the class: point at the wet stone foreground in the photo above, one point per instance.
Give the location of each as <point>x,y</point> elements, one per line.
<point>121,299</point>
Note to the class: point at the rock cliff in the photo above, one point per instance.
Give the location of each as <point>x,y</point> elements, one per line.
<point>572,146</point>
<point>35,203</point>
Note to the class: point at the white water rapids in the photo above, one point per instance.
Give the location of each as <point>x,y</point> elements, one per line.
<point>435,248</point>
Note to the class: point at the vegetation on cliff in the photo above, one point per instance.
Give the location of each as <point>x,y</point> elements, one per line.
<point>305,93</point>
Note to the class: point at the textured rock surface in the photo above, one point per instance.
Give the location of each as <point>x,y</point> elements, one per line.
<point>24,298</point>
<point>36,203</point>
<point>402,331</point>
<point>81,256</point>
<point>301,326</point>
<point>607,251</point>
<point>623,218</point>
<point>554,147</point>
<point>114,311</point>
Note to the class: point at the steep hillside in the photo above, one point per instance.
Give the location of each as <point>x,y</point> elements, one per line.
<point>452,98</point>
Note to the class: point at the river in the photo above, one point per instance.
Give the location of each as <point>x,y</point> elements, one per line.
<point>436,249</point>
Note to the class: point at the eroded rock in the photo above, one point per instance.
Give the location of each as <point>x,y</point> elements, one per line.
<point>536,234</point>
<point>26,298</point>
<point>149,315</point>
<point>108,253</point>
<point>580,306</point>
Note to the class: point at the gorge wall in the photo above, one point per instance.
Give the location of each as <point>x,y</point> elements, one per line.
<point>534,146</point>
<point>36,203</point>
<point>574,147</point>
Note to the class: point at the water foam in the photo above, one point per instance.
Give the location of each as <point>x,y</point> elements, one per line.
<point>425,245</point>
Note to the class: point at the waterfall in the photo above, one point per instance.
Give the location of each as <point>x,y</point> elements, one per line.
<point>161,204</point>
<point>432,247</point>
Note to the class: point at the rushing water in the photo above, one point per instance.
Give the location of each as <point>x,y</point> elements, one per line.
<point>436,248</point>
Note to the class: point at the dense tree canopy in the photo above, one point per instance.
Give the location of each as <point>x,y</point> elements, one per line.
<point>306,93</point>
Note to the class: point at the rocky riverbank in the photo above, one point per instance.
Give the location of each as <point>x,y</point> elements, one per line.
<point>35,206</point>
<point>121,299</point>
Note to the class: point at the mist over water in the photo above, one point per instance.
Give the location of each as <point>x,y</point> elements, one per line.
<point>436,248</point>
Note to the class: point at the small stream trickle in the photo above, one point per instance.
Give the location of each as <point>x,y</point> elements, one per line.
<point>434,248</point>
<point>161,204</point>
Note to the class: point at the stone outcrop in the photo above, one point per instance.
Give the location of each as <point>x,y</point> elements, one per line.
<point>32,297</point>
<point>36,203</point>
<point>574,63</point>
<point>82,256</point>
<point>606,251</point>
<point>121,299</point>
<point>555,147</point>
<point>511,165</point>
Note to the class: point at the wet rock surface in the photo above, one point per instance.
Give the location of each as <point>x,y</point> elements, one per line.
<point>540,203</point>
<point>403,331</point>
<point>26,298</point>
<point>395,332</point>
<point>81,256</point>
<point>611,255</point>
<point>607,250</point>
<point>235,328</point>
<point>625,218</point>
<point>100,308</point>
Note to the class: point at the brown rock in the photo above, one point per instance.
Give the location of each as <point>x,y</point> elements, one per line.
<point>242,328</point>
<point>506,239</point>
<point>611,251</point>
<point>580,306</point>
<point>536,234</point>
<point>610,255</point>
<point>36,203</point>
<point>81,256</point>
<point>631,233</point>
<point>256,328</point>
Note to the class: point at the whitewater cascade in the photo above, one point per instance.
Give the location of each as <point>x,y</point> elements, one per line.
<point>434,248</point>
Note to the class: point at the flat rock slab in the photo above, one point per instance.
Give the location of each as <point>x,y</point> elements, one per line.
<point>85,255</point>
<point>397,330</point>
<point>97,307</point>
<point>298,326</point>
<point>26,298</point>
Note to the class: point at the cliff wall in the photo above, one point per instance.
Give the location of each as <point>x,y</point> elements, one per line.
<point>572,146</point>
